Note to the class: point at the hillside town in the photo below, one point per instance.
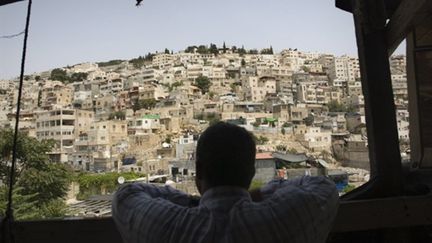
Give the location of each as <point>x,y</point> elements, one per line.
<point>305,109</point>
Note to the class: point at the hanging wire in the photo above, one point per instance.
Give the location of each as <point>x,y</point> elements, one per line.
<point>8,220</point>
<point>12,36</point>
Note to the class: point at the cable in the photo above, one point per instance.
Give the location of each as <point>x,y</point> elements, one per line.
<point>12,36</point>
<point>8,220</point>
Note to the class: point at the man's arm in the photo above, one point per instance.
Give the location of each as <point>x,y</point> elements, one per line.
<point>312,202</point>
<point>166,192</point>
<point>139,209</point>
<point>267,190</point>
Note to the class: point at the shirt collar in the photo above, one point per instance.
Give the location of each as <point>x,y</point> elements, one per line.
<point>223,197</point>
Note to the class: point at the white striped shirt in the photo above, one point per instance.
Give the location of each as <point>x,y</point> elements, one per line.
<point>298,210</point>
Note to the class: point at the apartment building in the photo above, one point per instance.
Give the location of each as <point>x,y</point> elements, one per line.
<point>99,148</point>
<point>344,68</point>
<point>56,94</point>
<point>292,58</point>
<point>298,114</point>
<point>6,84</point>
<point>162,60</point>
<point>313,138</point>
<point>193,71</point>
<point>145,124</point>
<point>398,63</point>
<point>62,125</point>
<point>111,86</point>
<point>257,88</point>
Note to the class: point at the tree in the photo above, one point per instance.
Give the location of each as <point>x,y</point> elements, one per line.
<point>168,139</point>
<point>211,95</point>
<point>52,182</point>
<point>148,103</point>
<point>309,120</point>
<point>202,49</point>
<point>213,49</point>
<point>350,108</point>
<point>60,75</point>
<point>144,104</point>
<point>191,49</point>
<point>241,51</point>
<point>335,106</point>
<point>167,51</point>
<point>305,69</point>
<point>76,77</point>
<point>149,57</point>
<point>40,185</point>
<point>203,83</point>
<point>91,184</point>
<point>213,121</point>
<point>120,115</point>
<point>260,140</point>
<point>212,118</point>
<point>138,62</point>
<point>109,63</point>
<point>224,48</point>
<point>31,153</point>
<point>268,51</point>
<point>243,62</point>
<point>281,147</point>
<point>253,51</point>
<point>263,139</point>
<point>24,205</point>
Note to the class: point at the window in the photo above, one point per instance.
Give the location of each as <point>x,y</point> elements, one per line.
<point>99,153</point>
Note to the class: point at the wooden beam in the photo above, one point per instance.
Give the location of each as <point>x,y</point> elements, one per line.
<point>383,213</point>
<point>403,20</point>
<point>68,231</point>
<point>380,111</point>
<point>352,216</point>
<point>4,2</point>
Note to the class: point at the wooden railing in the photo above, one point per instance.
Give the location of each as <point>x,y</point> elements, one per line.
<point>397,212</point>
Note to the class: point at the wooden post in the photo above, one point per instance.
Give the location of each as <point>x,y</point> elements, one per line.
<point>384,153</point>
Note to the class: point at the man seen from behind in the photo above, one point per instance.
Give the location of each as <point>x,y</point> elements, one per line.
<point>299,210</point>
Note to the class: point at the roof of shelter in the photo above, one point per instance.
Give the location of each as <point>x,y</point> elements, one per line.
<point>266,155</point>
<point>293,158</point>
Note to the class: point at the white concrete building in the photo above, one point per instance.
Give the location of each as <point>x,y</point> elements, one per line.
<point>145,124</point>
<point>62,125</point>
<point>313,138</point>
<point>344,68</point>
<point>257,88</point>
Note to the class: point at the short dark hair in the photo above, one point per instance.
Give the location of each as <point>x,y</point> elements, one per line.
<point>225,155</point>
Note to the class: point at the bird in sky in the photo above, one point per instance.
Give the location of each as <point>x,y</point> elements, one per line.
<point>138,3</point>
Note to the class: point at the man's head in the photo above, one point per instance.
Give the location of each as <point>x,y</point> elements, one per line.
<point>225,156</point>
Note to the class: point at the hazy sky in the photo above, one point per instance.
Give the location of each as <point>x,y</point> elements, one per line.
<point>69,32</point>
